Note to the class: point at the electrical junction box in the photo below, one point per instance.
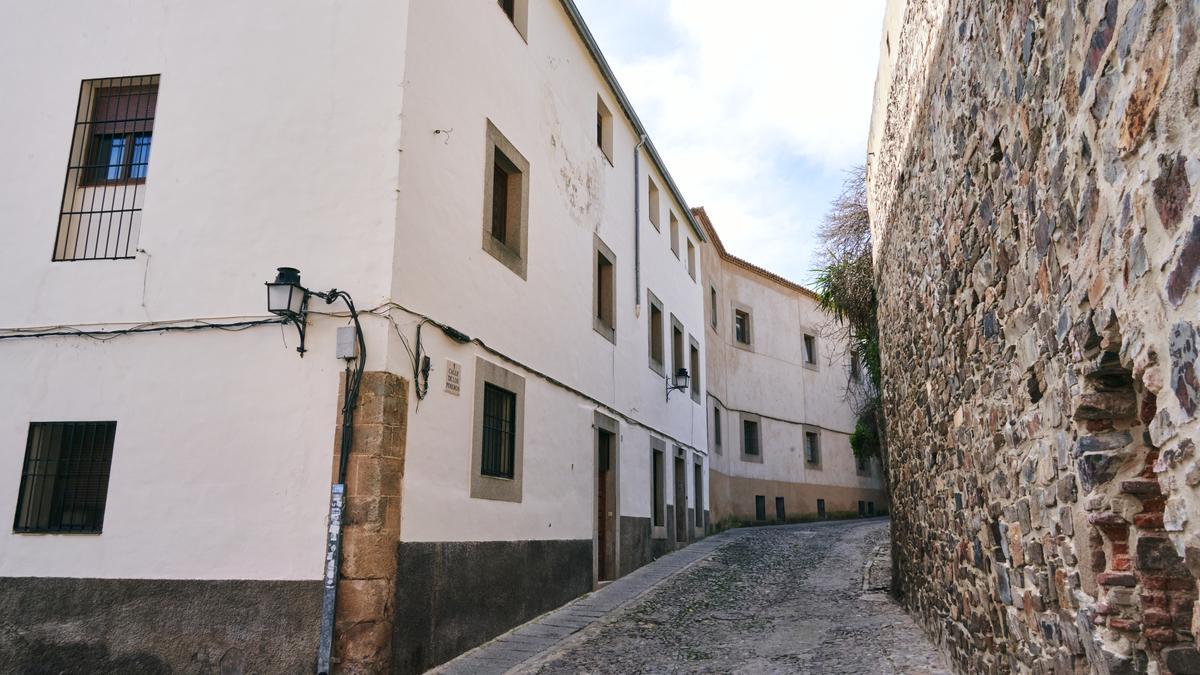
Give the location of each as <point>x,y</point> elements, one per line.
<point>347,343</point>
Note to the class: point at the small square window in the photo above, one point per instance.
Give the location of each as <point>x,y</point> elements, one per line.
<point>506,199</point>
<point>743,331</point>
<point>691,259</point>
<point>653,205</point>
<point>674,234</point>
<point>810,351</point>
<point>604,129</point>
<point>657,334</point>
<point>64,480</point>
<point>812,447</point>
<point>603,312</point>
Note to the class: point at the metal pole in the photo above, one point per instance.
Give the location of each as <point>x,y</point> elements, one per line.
<point>333,549</point>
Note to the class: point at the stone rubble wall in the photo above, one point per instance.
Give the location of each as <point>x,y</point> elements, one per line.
<point>1038,255</point>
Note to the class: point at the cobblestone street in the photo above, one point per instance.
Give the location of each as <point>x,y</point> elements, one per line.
<point>786,599</point>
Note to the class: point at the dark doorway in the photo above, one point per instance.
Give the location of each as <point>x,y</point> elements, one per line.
<point>699,495</point>
<point>681,519</point>
<point>862,508</point>
<point>780,512</point>
<point>760,507</point>
<point>820,508</point>
<point>870,508</point>
<point>606,520</point>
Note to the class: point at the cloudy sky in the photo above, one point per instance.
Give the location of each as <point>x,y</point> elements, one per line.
<point>757,112</point>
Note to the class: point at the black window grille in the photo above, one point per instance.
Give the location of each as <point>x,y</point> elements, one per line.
<point>812,447</point>
<point>750,437</point>
<point>499,431</point>
<point>64,481</point>
<point>106,170</point>
<point>716,427</point>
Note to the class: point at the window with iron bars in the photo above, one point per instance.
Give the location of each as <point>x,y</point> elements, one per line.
<point>64,481</point>
<point>104,189</point>
<point>499,431</point>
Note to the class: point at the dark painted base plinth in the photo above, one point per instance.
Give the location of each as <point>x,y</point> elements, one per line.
<point>453,596</point>
<point>59,625</point>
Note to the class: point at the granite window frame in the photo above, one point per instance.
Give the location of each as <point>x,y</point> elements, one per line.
<point>501,156</point>
<point>674,233</point>
<point>694,366</point>
<point>493,487</point>
<point>604,129</point>
<point>658,486</point>
<point>813,460</point>
<point>811,351</point>
<point>716,428</point>
<point>604,295</point>
<point>654,203</point>
<point>756,457</point>
<point>748,313</point>
<point>659,364</point>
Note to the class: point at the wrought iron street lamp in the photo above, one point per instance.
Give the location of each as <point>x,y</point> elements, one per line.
<point>682,378</point>
<point>288,299</point>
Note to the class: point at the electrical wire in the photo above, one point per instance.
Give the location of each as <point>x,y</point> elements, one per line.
<point>148,327</point>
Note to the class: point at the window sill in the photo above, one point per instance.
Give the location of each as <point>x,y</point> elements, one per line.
<point>658,368</point>
<point>604,330</point>
<point>811,366</point>
<point>754,459</point>
<point>744,346</point>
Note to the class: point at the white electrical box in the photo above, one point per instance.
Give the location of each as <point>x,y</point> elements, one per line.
<point>347,342</point>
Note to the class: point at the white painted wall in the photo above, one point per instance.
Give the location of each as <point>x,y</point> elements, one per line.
<point>772,380</point>
<point>274,144</point>
<point>304,136</point>
<point>468,64</point>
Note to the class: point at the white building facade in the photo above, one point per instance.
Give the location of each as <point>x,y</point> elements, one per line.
<point>470,173</point>
<point>782,388</point>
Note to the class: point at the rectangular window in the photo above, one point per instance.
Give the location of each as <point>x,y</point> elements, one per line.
<point>812,447</point>
<point>499,431</point>
<point>677,361</point>
<point>760,507</point>
<point>517,12</point>
<point>64,480</point>
<point>691,259</point>
<point>694,354</point>
<point>656,330</point>
<point>604,129</point>
<point>603,311</point>
<point>653,205</point>
<point>820,508</point>
<point>810,350</point>
<point>750,438</point>
<point>656,488</point>
<point>741,326</point>
<point>712,301</point>
<point>101,211</point>
<point>674,234</point>
<point>506,196</point>
<point>717,428</point>
<point>780,511</point>
<point>498,435</point>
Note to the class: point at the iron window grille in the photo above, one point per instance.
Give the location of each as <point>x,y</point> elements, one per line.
<point>101,209</point>
<point>750,437</point>
<point>812,447</point>
<point>499,431</point>
<point>64,480</point>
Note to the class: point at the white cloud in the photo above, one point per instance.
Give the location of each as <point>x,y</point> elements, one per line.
<point>756,109</point>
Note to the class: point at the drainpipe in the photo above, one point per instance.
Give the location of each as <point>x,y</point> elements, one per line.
<point>637,227</point>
